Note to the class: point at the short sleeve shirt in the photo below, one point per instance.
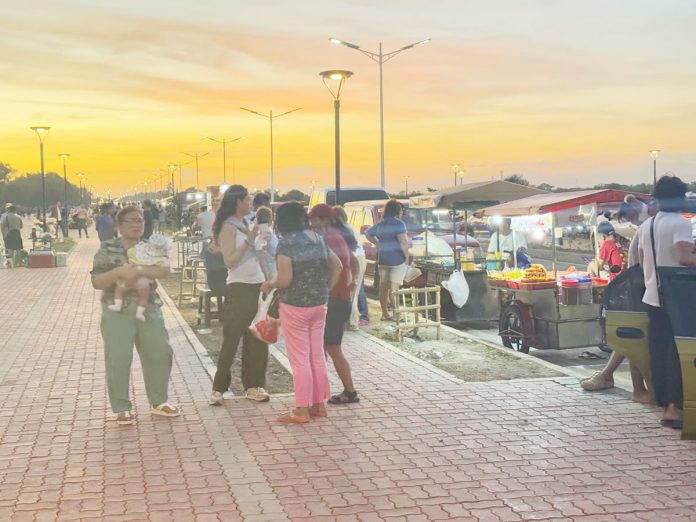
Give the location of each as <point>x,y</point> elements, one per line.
<point>112,254</point>
<point>611,254</point>
<point>334,240</point>
<point>387,232</point>
<point>670,228</point>
<point>310,270</point>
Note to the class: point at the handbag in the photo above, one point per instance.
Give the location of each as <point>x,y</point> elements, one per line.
<point>654,255</point>
<point>264,327</point>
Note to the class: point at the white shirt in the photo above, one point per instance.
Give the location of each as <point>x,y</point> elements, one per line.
<point>506,242</point>
<point>205,222</point>
<point>670,228</point>
<point>248,270</point>
<point>360,251</point>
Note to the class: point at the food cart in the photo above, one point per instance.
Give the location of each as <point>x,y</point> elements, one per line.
<point>543,309</point>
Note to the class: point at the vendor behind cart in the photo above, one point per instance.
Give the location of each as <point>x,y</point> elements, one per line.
<point>504,242</point>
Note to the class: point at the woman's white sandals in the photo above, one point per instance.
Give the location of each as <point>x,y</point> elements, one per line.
<point>125,418</point>
<point>166,410</point>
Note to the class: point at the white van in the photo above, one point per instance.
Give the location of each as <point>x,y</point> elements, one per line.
<point>348,194</point>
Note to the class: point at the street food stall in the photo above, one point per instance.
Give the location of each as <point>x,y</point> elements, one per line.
<point>446,214</point>
<point>547,309</point>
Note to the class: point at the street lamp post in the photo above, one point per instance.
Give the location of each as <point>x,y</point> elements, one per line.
<point>455,169</point>
<point>406,178</point>
<point>196,155</point>
<point>654,154</point>
<point>380,58</point>
<point>64,215</point>
<point>42,133</point>
<point>340,76</point>
<point>224,143</point>
<point>270,119</point>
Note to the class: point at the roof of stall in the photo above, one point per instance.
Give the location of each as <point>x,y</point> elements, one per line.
<point>485,192</point>
<point>555,201</point>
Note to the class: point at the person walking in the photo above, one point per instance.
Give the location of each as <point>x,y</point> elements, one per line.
<point>392,253</point>
<point>307,269</point>
<point>665,241</point>
<point>81,219</point>
<point>121,330</point>
<point>58,214</point>
<point>235,241</point>
<point>11,227</point>
<point>324,221</point>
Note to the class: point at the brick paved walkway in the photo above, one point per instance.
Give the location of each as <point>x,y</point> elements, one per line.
<point>420,446</point>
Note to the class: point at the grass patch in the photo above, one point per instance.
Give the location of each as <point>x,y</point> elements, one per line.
<point>64,245</point>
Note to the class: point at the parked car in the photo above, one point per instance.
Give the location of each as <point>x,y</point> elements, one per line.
<point>364,214</point>
<point>348,194</point>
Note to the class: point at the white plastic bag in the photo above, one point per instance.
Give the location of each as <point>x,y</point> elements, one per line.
<point>458,288</point>
<point>412,273</point>
<point>264,327</point>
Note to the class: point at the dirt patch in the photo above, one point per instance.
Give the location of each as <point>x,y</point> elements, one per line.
<point>278,379</point>
<point>464,358</point>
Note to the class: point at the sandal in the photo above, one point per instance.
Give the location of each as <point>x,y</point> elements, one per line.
<point>317,410</point>
<point>291,418</point>
<point>345,398</point>
<point>166,410</point>
<point>676,424</point>
<point>125,418</point>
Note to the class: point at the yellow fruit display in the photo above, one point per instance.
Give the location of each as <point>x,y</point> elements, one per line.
<point>536,274</point>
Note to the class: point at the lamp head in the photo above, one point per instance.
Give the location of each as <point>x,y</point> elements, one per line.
<point>338,75</point>
<point>654,153</point>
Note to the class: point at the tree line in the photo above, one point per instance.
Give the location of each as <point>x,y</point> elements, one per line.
<point>25,191</point>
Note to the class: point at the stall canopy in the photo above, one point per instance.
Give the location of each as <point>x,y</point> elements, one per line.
<point>556,201</point>
<point>475,195</point>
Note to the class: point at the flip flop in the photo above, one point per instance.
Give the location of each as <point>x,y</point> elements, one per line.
<point>676,424</point>
<point>589,355</point>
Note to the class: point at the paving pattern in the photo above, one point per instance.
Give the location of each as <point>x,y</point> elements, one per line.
<point>420,446</point>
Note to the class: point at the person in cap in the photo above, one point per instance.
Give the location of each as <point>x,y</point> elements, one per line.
<point>611,257</point>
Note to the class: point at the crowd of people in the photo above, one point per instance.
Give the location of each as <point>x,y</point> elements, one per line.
<point>314,264</point>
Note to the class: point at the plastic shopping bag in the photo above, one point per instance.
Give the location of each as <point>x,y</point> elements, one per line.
<point>264,327</point>
<point>412,273</point>
<point>457,286</point>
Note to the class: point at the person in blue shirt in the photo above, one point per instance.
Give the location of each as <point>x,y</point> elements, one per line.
<point>392,253</point>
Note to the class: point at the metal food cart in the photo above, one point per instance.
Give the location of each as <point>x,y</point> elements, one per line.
<point>536,317</point>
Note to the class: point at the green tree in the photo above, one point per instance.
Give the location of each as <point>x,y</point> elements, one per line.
<point>5,171</point>
<point>294,195</point>
<point>519,179</point>
<point>26,191</point>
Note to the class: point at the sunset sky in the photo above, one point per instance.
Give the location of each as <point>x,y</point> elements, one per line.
<point>560,91</point>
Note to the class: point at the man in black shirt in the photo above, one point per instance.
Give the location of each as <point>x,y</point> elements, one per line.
<point>147,215</point>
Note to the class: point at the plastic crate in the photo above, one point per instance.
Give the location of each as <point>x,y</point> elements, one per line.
<point>42,259</point>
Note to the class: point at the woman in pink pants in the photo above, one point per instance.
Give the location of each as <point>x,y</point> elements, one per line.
<point>307,269</point>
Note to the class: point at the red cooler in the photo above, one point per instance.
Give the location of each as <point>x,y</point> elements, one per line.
<point>42,259</point>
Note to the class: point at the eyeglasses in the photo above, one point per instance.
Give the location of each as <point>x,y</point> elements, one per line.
<point>133,221</point>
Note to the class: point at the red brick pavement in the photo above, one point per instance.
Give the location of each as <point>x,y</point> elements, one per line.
<point>420,445</point>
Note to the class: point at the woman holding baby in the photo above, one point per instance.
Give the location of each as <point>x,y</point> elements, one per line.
<point>126,325</point>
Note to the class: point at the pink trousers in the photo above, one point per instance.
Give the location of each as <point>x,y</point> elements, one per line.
<point>303,329</point>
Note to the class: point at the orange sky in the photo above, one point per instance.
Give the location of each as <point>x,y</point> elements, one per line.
<point>559,92</point>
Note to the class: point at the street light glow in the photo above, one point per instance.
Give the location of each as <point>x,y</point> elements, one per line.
<point>654,153</point>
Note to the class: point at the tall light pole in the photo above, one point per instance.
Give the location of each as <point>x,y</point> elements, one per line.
<point>196,155</point>
<point>42,133</point>
<point>64,216</point>
<point>461,177</point>
<point>339,76</point>
<point>270,119</point>
<point>406,179</point>
<point>224,143</point>
<point>380,58</point>
<point>455,169</point>
<point>654,154</point>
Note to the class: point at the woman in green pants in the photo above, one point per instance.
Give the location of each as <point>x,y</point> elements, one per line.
<point>121,330</point>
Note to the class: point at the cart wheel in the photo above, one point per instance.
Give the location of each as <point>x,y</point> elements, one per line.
<point>511,331</point>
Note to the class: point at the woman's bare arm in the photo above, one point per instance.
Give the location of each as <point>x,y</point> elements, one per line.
<point>227,242</point>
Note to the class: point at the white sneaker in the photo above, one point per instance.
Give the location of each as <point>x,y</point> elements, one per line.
<point>258,395</point>
<point>215,399</point>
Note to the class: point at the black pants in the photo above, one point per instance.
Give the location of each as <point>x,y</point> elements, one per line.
<point>82,225</point>
<point>664,359</point>
<point>240,309</point>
